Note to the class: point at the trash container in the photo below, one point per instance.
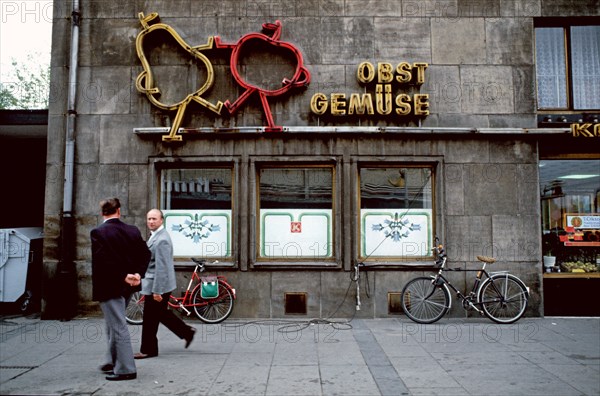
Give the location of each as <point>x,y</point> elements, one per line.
<point>21,265</point>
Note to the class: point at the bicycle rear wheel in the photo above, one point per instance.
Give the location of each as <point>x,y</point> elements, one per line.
<point>213,310</point>
<point>424,302</point>
<point>134,312</point>
<point>503,298</point>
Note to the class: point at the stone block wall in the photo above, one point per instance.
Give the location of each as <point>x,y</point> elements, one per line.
<point>481,74</point>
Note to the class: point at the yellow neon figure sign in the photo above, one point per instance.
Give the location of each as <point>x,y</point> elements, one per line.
<point>145,82</point>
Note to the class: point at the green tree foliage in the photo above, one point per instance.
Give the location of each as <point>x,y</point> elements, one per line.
<point>26,85</point>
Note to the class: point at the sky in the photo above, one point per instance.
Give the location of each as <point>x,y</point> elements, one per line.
<point>25,28</point>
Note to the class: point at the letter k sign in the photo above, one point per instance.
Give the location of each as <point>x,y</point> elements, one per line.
<point>296,227</point>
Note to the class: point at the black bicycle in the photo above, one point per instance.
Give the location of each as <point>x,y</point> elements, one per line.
<point>500,296</point>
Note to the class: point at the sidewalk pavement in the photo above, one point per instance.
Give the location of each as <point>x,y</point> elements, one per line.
<point>535,356</point>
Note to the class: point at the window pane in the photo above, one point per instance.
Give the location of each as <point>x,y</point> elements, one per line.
<point>197,207</point>
<point>551,68</point>
<point>296,213</point>
<point>396,211</point>
<point>585,54</point>
<point>295,187</point>
<point>570,199</point>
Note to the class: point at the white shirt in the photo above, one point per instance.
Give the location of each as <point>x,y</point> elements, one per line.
<point>152,233</point>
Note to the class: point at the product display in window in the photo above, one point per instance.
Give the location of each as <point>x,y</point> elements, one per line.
<point>570,191</point>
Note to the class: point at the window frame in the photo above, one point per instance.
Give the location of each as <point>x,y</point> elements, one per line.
<point>158,165</point>
<point>401,261</point>
<point>565,24</point>
<point>255,259</point>
<point>548,195</point>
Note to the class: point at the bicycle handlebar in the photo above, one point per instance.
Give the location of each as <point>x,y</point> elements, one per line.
<point>439,252</point>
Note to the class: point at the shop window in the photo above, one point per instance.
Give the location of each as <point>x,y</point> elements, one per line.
<point>296,213</point>
<point>197,206</point>
<point>570,199</point>
<point>396,212</point>
<point>567,64</point>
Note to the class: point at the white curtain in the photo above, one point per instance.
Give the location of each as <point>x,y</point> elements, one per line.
<point>585,65</point>
<point>551,68</point>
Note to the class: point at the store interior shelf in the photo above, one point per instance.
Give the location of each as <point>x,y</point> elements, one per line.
<point>585,244</point>
<point>572,275</point>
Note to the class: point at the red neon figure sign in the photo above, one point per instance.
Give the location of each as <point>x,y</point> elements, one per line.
<point>301,77</point>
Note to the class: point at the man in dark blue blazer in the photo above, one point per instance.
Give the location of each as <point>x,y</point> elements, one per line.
<point>119,256</point>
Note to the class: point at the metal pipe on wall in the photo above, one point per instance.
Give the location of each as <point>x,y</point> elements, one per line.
<point>71,111</point>
<point>66,272</point>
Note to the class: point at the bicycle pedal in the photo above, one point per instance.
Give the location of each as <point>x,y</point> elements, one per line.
<point>187,312</point>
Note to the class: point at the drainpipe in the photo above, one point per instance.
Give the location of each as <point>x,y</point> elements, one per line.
<point>66,272</point>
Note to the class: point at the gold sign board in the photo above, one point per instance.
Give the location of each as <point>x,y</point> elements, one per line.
<point>383,101</point>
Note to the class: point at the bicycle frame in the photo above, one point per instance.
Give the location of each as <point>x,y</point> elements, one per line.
<point>184,302</point>
<point>207,309</point>
<point>481,277</point>
<point>441,281</point>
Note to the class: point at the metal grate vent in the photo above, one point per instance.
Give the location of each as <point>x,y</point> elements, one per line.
<point>295,303</point>
<point>394,303</point>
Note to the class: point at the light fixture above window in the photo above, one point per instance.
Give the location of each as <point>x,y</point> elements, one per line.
<point>578,177</point>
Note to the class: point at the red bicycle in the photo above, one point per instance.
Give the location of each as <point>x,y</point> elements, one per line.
<point>209,309</point>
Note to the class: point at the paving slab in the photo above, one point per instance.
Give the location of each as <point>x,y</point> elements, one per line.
<point>391,356</point>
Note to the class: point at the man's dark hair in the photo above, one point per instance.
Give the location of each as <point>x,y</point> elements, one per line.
<point>109,206</point>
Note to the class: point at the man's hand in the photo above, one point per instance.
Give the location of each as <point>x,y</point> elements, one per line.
<point>133,279</point>
<point>157,297</point>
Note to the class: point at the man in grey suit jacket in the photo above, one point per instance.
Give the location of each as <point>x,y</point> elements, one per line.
<point>157,285</point>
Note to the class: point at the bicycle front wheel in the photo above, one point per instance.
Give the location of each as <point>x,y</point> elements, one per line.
<point>503,298</point>
<point>134,312</point>
<point>213,310</point>
<point>424,302</point>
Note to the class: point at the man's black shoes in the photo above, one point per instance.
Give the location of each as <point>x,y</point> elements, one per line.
<point>144,355</point>
<point>121,377</point>
<point>190,338</point>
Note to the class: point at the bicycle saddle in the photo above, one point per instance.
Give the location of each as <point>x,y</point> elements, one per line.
<point>486,259</point>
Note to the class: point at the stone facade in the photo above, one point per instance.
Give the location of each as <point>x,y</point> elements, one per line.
<point>481,75</point>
